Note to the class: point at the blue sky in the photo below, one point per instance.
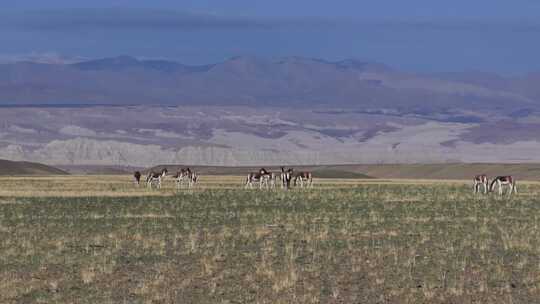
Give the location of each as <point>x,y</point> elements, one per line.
<point>418,35</point>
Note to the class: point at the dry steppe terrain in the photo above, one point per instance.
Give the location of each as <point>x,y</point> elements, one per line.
<point>100,239</point>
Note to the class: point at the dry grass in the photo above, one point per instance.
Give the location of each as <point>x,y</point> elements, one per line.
<point>99,185</point>
<point>98,239</point>
<point>122,185</point>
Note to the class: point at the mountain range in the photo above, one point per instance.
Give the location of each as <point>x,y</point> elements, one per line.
<point>248,111</point>
<point>249,81</point>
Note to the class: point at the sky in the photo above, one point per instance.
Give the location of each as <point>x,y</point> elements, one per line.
<point>418,35</point>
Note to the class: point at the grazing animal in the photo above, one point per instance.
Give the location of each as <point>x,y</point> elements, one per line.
<point>156,178</point>
<point>137,176</point>
<point>303,177</point>
<point>268,179</point>
<point>481,181</point>
<point>272,179</point>
<point>185,175</point>
<point>251,178</point>
<point>193,179</point>
<point>286,177</point>
<point>501,181</point>
<point>263,177</point>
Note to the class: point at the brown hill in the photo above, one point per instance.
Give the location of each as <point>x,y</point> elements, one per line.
<point>98,170</point>
<point>391,171</point>
<point>318,171</point>
<point>27,168</point>
<point>447,171</point>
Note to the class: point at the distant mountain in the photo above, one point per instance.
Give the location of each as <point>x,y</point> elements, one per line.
<point>291,81</point>
<point>123,63</point>
<point>526,85</point>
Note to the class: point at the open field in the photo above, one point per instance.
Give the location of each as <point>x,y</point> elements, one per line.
<point>122,185</point>
<point>450,171</point>
<point>98,239</point>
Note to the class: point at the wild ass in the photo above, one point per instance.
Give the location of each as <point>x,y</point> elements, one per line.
<point>286,177</point>
<point>268,178</point>
<point>264,178</point>
<point>480,181</point>
<point>273,179</point>
<point>187,175</point>
<point>501,181</point>
<point>304,177</point>
<point>137,176</point>
<point>156,178</point>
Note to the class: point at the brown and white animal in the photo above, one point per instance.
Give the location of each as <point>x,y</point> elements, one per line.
<point>481,181</point>
<point>286,178</point>
<point>303,177</point>
<point>156,178</point>
<point>263,177</point>
<point>137,176</point>
<point>268,178</point>
<point>185,175</point>
<point>193,179</point>
<point>272,178</point>
<point>501,181</point>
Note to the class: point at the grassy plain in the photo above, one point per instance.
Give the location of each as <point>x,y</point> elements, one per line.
<point>99,239</point>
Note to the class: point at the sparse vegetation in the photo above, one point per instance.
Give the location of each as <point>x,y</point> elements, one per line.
<point>99,239</point>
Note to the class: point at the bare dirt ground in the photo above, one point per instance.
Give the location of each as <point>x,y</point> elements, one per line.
<point>146,136</point>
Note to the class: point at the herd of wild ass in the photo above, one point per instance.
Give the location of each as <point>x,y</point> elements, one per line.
<point>263,178</point>
<point>268,180</point>
<point>482,181</point>
<point>154,179</point>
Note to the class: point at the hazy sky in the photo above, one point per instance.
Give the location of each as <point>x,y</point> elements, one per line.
<point>423,35</point>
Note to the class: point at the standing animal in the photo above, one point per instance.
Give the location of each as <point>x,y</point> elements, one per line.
<point>156,178</point>
<point>272,177</point>
<point>263,177</point>
<point>137,176</point>
<point>286,177</point>
<point>193,179</point>
<point>185,175</point>
<point>480,181</point>
<point>501,181</point>
<point>268,179</point>
<point>303,177</point>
